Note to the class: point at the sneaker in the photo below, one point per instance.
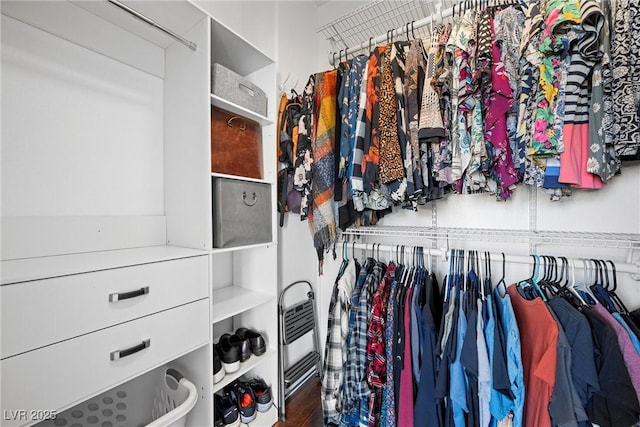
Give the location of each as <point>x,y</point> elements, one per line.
<point>218,370</point>
<point>229,354</point>
<point>227,411</point>
<point>258,346</point>
<point>242,395</point>
<point>262,392</point>
<point>217,420</point>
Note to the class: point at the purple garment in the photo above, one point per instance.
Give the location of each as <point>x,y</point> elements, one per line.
<point>405,404</point>
<point>629,353</point>
<point>499,104</point>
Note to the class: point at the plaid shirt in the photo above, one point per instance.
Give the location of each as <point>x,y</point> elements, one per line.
<point>351,379</point>
<point>334,355</point>
<point>362,326</point>
<point>376,346</point>
<point>356,387</point>
<point>357,184</point>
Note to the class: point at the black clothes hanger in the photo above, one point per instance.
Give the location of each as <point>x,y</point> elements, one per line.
<point>565,271</point>
<point>501,285</point>
<point>545,282</point>
<point>345,259</point>
<point>542,281</point>
<point>555,278</point>
<point>614,296</point>
<point>555,281</point>
<point>487,269</point>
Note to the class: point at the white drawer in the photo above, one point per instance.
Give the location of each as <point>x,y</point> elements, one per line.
<point>43,312</point>
<point>64,374</point>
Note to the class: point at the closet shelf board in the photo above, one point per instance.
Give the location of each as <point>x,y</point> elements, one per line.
<point>28,269</point>
<point>232,300</point>
<point>240,178</point>
<point>268,418</point>
<point>242,248</point>
<point>245,367</point>
<point>219,102</point>
<point>234,52</point>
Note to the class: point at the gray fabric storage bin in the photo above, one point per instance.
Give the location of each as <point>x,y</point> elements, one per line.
<point>232,87</point>
<point>241,212</point>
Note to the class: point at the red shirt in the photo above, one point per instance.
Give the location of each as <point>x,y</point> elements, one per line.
<point>539,340</point>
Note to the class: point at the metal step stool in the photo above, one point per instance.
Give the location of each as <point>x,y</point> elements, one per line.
<point>293,323</point>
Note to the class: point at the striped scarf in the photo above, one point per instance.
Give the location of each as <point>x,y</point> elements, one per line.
<point>322,220</point>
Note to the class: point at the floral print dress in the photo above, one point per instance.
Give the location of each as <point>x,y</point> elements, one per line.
<point>558,14</point>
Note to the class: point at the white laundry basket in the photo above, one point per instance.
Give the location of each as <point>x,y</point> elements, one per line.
<point>162,397</point>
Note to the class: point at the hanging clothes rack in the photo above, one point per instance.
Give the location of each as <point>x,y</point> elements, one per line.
<point>443,253</point>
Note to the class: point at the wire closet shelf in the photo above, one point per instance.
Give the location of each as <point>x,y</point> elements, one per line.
<point>564,238</point>
<point>378,20</point>
<point>630,242</point>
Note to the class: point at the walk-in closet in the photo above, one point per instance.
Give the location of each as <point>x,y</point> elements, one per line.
<point>320,213</point>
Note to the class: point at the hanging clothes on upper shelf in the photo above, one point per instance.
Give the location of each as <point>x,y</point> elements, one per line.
<point>503,93</point>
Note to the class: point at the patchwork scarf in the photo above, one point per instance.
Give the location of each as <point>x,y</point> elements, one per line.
<point>322,221</point>
<point>304,150</point>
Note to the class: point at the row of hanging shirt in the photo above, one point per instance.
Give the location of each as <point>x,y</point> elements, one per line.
<point>548,96</point>
<point>537,353</point>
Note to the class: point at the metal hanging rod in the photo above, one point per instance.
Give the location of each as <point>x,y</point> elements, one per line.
<point>443,253</point>
<point>537,237</point>
<point>191,45</point>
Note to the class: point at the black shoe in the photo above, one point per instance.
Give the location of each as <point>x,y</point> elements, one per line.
<point>262,392</point>
<point>229,354</point>
<point>244,346</point>
<point>258,346</point>
<point>217,420</point>
<point>218,370</point>
<point>242,395</point>
<point>227,411</point>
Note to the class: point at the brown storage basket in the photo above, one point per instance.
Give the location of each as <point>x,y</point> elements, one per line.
<point>236,145</point>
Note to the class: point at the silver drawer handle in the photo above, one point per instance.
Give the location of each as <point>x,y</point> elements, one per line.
<point>119,296</point>
<point>119,354</point>
<point>253,202</point>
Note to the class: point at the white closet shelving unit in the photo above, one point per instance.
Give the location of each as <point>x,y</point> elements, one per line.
<point>245,277</point>
<point>106,194</point>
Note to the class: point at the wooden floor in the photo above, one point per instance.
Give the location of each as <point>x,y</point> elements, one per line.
<point>304,409</point>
